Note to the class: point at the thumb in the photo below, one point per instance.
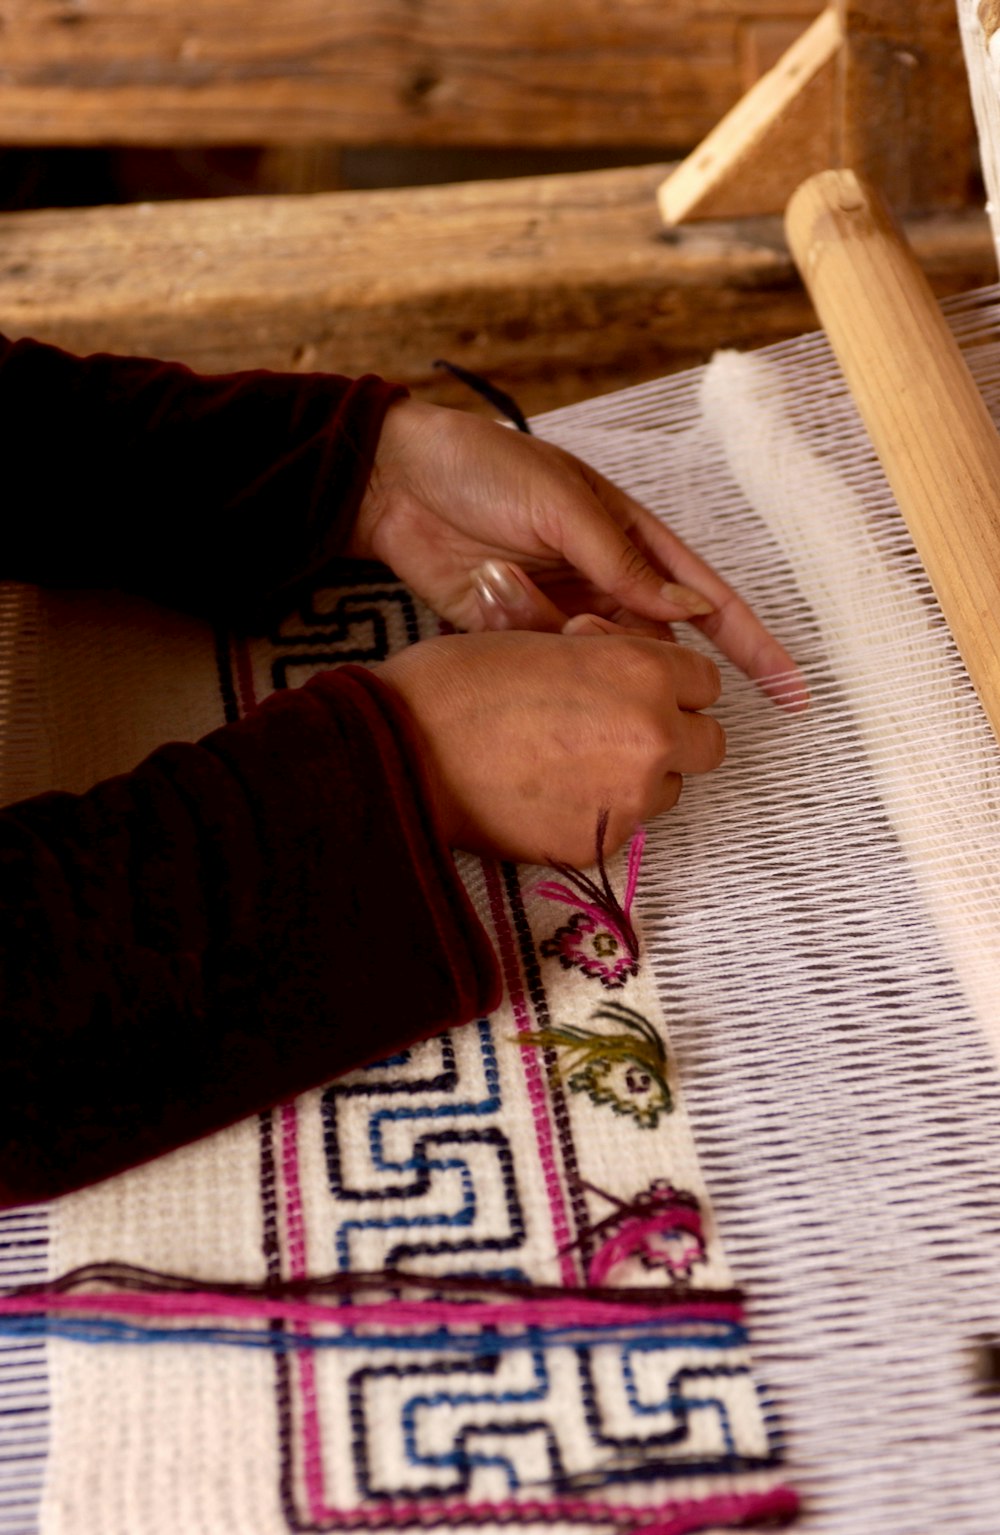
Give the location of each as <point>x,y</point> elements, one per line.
<point>589,624</point>
<point>509,599</point>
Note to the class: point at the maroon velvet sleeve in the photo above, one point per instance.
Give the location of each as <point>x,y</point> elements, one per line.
<point>230,924</point>
<point>223,494</point>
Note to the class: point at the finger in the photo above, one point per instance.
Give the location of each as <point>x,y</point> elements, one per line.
<point>600,548</point>
<point>509,599</point>
<point>696,680</point>
<point>588,624</point>
<point>595,623</point>
<point>740,635</point>
<point>669,792</point>
<point>700,744</point>
<point>732,625</point>
<point>578,597</point>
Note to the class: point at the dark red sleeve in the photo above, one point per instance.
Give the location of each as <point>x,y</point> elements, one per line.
<point>230,924</point>
<point>223,495</point>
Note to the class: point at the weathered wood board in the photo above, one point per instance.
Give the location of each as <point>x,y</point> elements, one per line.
<point>906,119</point>
<point>557,287</point>
<point>584,72</point>
<point>877,85</point>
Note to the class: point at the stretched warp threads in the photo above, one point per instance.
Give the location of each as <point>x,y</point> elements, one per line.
<point>844,1096</point>
<point>908,691</point>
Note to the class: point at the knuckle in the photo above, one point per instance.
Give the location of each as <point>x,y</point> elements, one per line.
<point>713,677</point>
<point>717,741</point>
<point>672,787</point>
<point>633,569</point>
<point>644,665</point>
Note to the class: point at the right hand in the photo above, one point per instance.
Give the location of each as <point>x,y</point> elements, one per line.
<point>526,737</point>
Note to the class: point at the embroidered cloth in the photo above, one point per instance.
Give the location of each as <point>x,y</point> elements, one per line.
<point>547,1145</point>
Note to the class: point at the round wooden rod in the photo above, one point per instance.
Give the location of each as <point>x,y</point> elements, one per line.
<point>924,414</point>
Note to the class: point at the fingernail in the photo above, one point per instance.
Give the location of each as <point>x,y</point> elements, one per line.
<point>497,584</point>
<point>495,614</point>
<point>691,602</point>
<point>503,600</point>
<point>588,623</point>
<point>507,597</point>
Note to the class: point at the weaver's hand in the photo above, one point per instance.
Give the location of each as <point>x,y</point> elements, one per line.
<point>450,491</point>
<point>526,737</point>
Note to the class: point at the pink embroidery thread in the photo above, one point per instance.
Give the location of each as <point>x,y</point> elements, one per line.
<point>638,1238</point>
<point>598,915</point>
<point>662,1227</point>
<point>414,1316</point>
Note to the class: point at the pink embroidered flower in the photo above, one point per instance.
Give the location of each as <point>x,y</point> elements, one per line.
<point>589,945</point>
<point>662,1228</point>
<point>599,939</point>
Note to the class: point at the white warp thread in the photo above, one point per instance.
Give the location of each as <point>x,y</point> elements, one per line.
<point>845,1099</point>
<point>925,739</point>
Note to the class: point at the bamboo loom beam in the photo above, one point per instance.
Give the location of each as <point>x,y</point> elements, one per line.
<point>558,287</point>
<point>925,416</point>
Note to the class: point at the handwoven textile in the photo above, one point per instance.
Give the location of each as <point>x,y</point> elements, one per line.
<point>548,1143</point>
<point>817,917</point>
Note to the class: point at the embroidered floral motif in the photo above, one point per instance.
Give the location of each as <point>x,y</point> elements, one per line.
<point>586,944</point>
<point>626,1069</point>
<point>661,1227</point>
<point>599,939</point>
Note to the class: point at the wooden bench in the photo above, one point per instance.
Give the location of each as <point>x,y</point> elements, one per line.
<point>557,286</point>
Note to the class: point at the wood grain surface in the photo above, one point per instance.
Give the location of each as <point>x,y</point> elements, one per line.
<point>582,72</point>
<point>557,286</point>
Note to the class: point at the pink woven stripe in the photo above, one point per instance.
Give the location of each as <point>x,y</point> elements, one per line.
<point>739,1510</point>
<point>295,1229</point>
<point>413,1316</point>
<point>305,1363</point>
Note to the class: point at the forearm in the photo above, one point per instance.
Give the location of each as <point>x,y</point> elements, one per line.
<point>233,923</point>
<point>219,494</point>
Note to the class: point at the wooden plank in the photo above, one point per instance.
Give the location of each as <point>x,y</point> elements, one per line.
<point>387,71</point>
<point>877,84</point>
<point>906,120</point>
<point>558,287</point>
<point>782,130</point>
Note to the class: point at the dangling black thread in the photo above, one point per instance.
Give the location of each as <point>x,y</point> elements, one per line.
<point>601,895</point>
<point>130,1277</point>
<point>503,402</point>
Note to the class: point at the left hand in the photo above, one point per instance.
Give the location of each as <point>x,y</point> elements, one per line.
<point>450,491</point>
